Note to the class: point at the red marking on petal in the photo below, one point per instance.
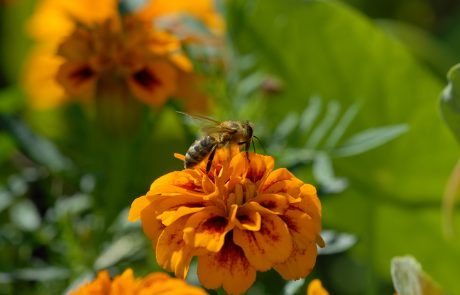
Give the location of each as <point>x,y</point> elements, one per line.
<point>265,229</point>
<point>215,224</point>
<point>81,74</point>
<point>231,254</point>
<point>146,79</point>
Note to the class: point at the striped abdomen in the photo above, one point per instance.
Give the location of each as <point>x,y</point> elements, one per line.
<point>198,151</point>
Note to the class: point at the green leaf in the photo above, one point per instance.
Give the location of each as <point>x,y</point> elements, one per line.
<point>49,273</point>
<point>36,147</point>
<point>369,139</point>
<point>425,47</point>
<point>336,242</point>
<point>326,48</point>
<point>25,216</point>
<point>450,101</point>
<point>324,174</point>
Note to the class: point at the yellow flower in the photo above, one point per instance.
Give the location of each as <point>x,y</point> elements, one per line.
<point>316,288</point>
<point>240,218</point>
<point>126,284</point>
<point>85,47</point>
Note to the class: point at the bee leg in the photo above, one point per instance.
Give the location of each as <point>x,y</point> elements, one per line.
<point>247,145</point>
<point>211,157</point>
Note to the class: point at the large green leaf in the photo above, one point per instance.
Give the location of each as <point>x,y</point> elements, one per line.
<point>326,48</point>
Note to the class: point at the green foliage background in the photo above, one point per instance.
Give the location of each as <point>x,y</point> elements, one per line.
<point>323,48</point>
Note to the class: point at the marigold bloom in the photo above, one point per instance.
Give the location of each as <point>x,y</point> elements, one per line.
<point>126,284</point>
<point>87,46</point>
<point>316,288</point>
<point>240,218</point>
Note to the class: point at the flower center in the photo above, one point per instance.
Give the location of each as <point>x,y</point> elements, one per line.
<point>242,193</point>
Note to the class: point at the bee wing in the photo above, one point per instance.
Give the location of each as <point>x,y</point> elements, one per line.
<point>201,118</point>
<point>210,129</point>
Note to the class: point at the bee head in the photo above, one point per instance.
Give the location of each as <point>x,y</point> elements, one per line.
<point>248,129</point>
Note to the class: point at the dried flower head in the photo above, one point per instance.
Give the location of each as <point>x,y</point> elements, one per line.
<point>126,283</point>
<point>240,218</point>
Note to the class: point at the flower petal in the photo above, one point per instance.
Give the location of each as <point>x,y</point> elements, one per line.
<point>276,203</point>
<point>150,224</point>
<point>171,251</point>
<point>207,229</point>
<point>228,268</point>
<point>168,217</point>
<point>155,83</point>
<point>78,79</point>
<point>303,228</point>
<point>282,181</point>
<point>299,264</point>
<point>259,167</point>
<point>271,244</point>
<point>316,288</point>
<point>310,202</point>
<point>247,219</point>
<point>137,206</point>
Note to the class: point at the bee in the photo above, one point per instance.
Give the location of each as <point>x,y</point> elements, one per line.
<point>217,135</point>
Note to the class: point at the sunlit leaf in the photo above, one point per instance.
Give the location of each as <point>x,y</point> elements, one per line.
<point>326,48</point>
<point>369,139</point>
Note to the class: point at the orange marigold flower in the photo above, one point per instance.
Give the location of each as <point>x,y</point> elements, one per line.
<point>241,217</point>
<point>316,288</point>
<point>87,46</point>
<point>126,283</point>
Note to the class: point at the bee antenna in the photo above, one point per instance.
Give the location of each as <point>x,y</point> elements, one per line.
<point>260,143</point>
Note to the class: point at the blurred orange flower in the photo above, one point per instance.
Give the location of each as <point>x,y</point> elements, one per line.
<point>83,47</point>
<point>154,283</point>
<point>316,288</point>
<point>240,218</point>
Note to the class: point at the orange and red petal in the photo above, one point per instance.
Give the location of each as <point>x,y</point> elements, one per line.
<point>161,283</point>
<point>271,244</point>
<point>207,229</point>
<point>276,203</point>
<point>299,264</point>
<point>151,225</point>
<point>155,83</point>
<point>101,285</point>
<point>78,79</point>
<point>171,251</point>
<point>228,268</point>
<point>124,284</point>
<point>310,202</point>
<point>246,218</point>
<point>168,217</point>
<point>303,228</point>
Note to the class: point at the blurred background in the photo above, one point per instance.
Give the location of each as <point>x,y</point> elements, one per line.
<point>345,94</point>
